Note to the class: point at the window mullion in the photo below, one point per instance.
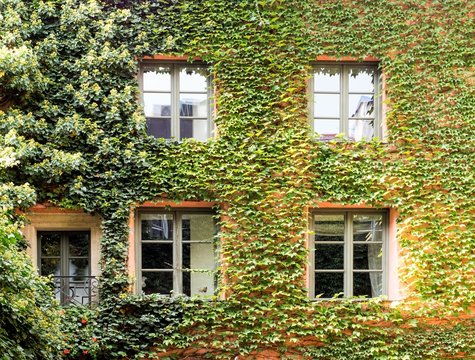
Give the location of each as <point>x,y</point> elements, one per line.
<point>64,258</point>
<point>312,255</point>
<point>349,255</point>
<point>377,105</point>
<point>344,100</point>
<point>175,110</point>
<point>177,258</point>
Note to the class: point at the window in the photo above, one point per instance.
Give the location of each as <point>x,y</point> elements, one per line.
<point>176,100</point>
<point>348,254</point>
<point>177,253</point>
<point>66,256</point>
<point>346,100</point>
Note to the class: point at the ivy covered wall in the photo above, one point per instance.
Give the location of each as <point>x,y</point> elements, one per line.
<point>68,76</point>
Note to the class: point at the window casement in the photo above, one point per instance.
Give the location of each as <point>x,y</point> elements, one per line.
<point>346,99</point>
<point>349,253</point>
<point>65,255</point>
<point>176,99</point>
<point>177,252</point>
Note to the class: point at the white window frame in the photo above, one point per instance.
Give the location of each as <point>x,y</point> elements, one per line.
<point>348,249</point>
<point>344,67</point>
<point>177,268</point>
<point>175,68</point>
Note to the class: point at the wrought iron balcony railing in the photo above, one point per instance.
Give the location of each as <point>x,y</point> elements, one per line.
<point>76,290</point>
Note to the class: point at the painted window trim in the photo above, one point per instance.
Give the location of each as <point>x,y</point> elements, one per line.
<point>176,63</point>
<point>201,208</point>
<point>379,93</point>
<point>346,279</point>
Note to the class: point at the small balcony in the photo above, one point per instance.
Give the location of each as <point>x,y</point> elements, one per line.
<point>76,290</point>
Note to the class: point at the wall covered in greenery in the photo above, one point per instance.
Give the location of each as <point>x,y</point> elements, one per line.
<point>73,130</point>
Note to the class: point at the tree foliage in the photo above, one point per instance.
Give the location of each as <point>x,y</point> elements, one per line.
<point>68,69</point>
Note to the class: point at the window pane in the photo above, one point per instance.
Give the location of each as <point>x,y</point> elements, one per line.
<point>361,79</point>
<point>328,284</point>
<point>329,227</point>
<point>156,78</point>
<point>194,105</point>
<point>361,106</point>
<point>78,268</point>
<point>157,105</point>
<point>50,267</point>
<point>157,282</point>
<point>159,128</point>
<point>198,283</point>
<point>50,244</point>
<point>193,79</point>
<point>360,129</point>
<point>368,256</point>
<point>327,105</point>
<point>198,256</point>
<point>369,284</point>
<point>79,244</point>
<point>327,79</point>
<point>368,227</point>
<point>157,256</point>
<point>194,128</point>
<point>198,227</point>
<point>329,256</point>
<point>78,292</point>
<point>157,227</point>
<point>327,129</point>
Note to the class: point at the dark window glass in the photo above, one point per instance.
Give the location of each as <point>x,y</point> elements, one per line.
<point>329,256</point>
<point>157,229</point>
<point>157,256</point>
<point>157,282</point>
<point>368,284</point>
<point>328,284</point>
<point>159,128</point>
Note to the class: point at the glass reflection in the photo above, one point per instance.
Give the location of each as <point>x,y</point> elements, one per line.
<point>198,283</point>
<point>50,244</point>
<point>156,78</point>
<point>157,282</point>
<point>79,244</point>
<point>361,79</point>
<point>327,105</point>
<point>360,130</point>
<point>194,128</point>
<point>361,106</point>
<point>78,268</point>
<point>195,105</point>
<point>368,256</point>
<point>193,79</point>
<point>329,227</point>
<point>159,127</point>
<point>327,79</point>
<point>198,227</point>
<point>157,227</point>
<point>50,267</point>
<point>157,105</point>
<point>368,227</point>
<point>327,129</point>
<point>368,284</point>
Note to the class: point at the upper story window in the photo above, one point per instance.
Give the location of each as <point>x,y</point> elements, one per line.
<point>346,100</point>
<point>177,252</point>
<point>176,100</point>
<point>349,251</point>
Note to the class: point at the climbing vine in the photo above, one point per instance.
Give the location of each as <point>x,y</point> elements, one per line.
<point>68,105</point>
